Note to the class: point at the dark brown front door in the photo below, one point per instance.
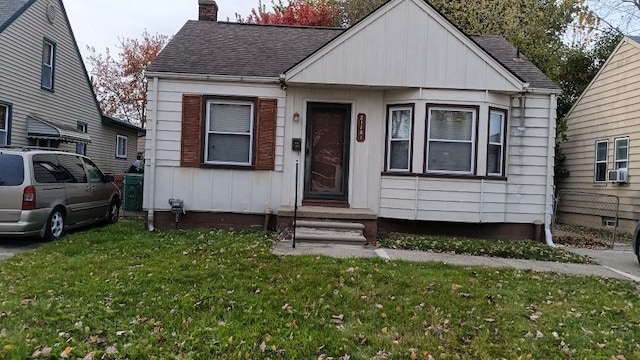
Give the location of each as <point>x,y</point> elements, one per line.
<point>327,151</point>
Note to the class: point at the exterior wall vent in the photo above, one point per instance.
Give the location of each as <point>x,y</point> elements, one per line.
<point>52,12</point>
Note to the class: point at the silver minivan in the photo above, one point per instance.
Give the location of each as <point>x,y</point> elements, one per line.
<point>44,193</point>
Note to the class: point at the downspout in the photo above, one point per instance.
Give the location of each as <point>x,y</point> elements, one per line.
<point>152,158</point>
<point>550,156</point>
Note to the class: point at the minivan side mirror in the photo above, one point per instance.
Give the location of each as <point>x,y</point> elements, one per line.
<point>108,178</point>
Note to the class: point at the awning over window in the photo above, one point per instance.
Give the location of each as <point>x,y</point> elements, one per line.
<point>42,129</point>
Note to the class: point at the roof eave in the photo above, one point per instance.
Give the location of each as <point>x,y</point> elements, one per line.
<point>275,80</point>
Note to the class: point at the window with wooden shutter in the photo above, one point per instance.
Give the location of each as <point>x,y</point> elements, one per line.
<point>266,134</point>
<point>191,146</point>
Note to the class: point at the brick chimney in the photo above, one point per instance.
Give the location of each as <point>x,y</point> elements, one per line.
<point>207,10</point>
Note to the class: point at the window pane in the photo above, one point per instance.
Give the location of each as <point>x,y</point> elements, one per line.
<point>74,168</point>
<point>601,151</point>
<point>46,53</point>
<point>601,172</point>
<point>229,148</point>
<point>449,156</point>
<point>46,76</point>
<point>621,165</point>
<point>494,166</point>
<point>234,118</point>
<point>399,157</point>
<point>495,128</point>
<point>3,137</point>
<point>451,125</point>
<point>95,175</point>
<point>621,149</point>
<point>401,124</point>
<point>13,170</point>
<point>4,113</point>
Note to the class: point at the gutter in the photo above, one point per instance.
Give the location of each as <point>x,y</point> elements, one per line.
<point>152,158</point>
<point>548,236</point>
<point>221,78</point>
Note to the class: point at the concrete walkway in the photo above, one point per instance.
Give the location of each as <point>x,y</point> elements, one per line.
<point>347,251</point>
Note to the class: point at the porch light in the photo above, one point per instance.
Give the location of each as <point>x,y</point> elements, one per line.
<point>296,117</point>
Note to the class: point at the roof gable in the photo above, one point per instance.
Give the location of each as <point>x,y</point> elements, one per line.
<point>11,9</point>
<point>631,41</point>
<point>405,43</point>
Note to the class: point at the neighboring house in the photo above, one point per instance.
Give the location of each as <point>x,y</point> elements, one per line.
<point>46,99</point>
<point>399,122</point>
<point>603,129</point>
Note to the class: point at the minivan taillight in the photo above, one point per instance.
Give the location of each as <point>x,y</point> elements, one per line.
<point>29,198</point>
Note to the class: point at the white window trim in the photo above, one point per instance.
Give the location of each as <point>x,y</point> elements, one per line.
<point>50,65</point>
<point>118,139</point>
<point>605,161</point>
<point>615,153</point>
<point>390,139</point>
<point>208,131</point>
<point>473,140</point>
<point>503,118</point>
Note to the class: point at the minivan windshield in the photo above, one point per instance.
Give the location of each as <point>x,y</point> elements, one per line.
<point>11,170</point>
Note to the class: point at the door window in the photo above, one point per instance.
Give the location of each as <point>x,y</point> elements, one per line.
<point>74,167</point>
<point>95,175</point>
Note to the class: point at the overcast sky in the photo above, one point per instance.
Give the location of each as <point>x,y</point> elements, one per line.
<point>99,23</point>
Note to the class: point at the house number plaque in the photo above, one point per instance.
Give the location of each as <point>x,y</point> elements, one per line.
<point>362,127</point>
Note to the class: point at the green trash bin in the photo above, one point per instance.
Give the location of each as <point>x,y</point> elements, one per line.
<point>132,189</point>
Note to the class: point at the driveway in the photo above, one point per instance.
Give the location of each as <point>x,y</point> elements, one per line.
<point>10,247</point>
<point>621,260</point>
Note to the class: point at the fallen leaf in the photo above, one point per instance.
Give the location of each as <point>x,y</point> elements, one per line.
<point>263,346</point>
<point>384,330</point>
<point>111,350</point>
<point>489,320</point>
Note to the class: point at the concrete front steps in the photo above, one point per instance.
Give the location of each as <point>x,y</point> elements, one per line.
<point>330,232</point>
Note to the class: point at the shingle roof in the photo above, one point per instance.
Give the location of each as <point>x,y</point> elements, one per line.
<point>223,48</point>
<point>500,49</point>
<point>8,8</point>
<point>634,38</point>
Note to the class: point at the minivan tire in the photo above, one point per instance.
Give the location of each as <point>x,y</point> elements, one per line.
<point>55,225</point>
<point>114,212</point>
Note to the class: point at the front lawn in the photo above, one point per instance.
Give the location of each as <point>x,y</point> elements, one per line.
<point>121,292</point>
<point>529,250</point>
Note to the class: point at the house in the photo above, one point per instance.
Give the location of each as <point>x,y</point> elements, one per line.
<point>399,122</point>
<point>602,131</point>
<point>46,98</point>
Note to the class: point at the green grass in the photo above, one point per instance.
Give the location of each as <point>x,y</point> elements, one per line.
<point>529,250</point>
<point>120,292</point>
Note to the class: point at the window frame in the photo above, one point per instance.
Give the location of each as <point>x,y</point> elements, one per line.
<point>390,109</point>
<point>252,102</point>
<point>81,148</point>
<point>475,110</point>
<point>503,141</point>
<point>51,65</point>
<point>616,161</point>
<point>126,140</point>
<point>605,161</point>
<point>7,122</point>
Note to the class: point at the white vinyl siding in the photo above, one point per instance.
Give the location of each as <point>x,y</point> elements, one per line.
<point>621,153</point>
<point>229,139</point>
<point>495,150</point>
<point>122,146</point>
<point>600,169</point>
<point>399,134</point>
<point>48,64</point>
<point>451,140</point>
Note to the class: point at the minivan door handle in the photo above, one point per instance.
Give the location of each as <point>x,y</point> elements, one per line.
<point>88,188</point>
<point>93,188</point>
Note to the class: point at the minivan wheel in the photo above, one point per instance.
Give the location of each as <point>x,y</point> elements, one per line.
<point>55,225</point>
<point>114,212</point>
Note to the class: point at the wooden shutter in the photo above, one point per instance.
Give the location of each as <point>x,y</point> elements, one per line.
<point>265,157</point>
<point>191,149</point>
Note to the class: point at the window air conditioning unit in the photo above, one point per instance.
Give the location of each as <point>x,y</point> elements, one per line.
<point>618,176</point>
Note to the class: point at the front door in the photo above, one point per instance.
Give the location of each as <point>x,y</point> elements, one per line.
<point>327,151</point>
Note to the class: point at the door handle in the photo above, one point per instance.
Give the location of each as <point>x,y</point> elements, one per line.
<point>88,188</point>
<point>93,188</point>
